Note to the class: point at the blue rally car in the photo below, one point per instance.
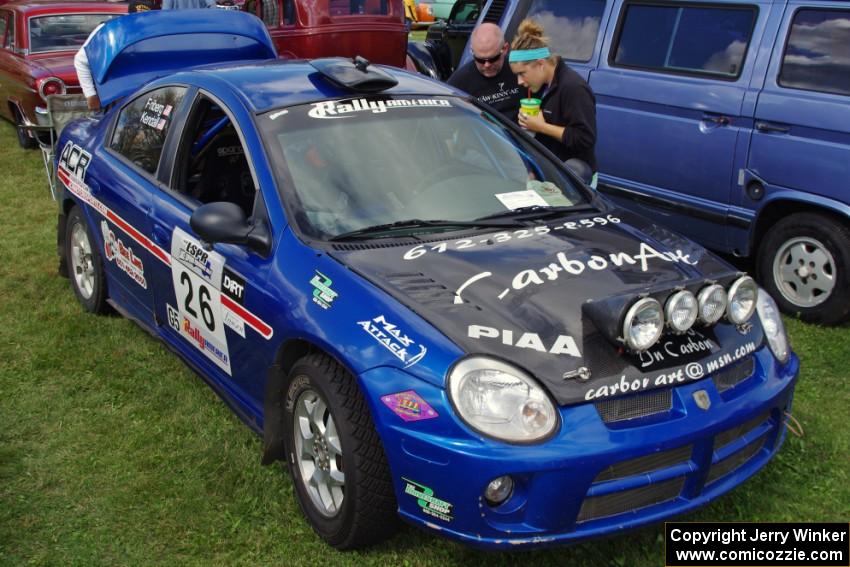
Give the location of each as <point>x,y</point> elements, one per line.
<point>417,308</point>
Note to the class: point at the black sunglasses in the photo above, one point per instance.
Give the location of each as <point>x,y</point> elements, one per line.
<point>485,60</point>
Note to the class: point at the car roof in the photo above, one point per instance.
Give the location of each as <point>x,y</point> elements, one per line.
<point>276,83</point>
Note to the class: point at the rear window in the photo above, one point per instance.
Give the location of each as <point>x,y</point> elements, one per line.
<point>817,56</point>
<point>572,27</point>
<point>358,7</point>
<point>703,40</point>
<point>65,32</point>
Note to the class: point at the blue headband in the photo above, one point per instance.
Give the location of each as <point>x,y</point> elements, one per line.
<point>519,55</point>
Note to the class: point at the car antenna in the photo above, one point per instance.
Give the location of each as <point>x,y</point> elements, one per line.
<point>361,63</point>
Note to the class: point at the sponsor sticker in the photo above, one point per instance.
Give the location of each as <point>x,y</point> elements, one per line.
<point>394,340</point>
<point>562,344</point>
<point>331,109</point>
<point>123,256</point>
<point>428,503</point>
<point>409,406</point>
<point>75,160</point>
<point>323,295</point>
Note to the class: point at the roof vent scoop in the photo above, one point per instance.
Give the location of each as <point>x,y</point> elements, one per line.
<point>354,74</point>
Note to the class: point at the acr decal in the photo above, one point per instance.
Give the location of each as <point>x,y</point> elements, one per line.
<point>323,295</point>
<point>75,160</point>
<point>123,256</point>
<point>426,500</point>
<point>339,109</point>
<point>501,237</point>
<point>82,192</point>
<point>395,341</point>
<point>692,342</point>
<point>564,344</point>
<point>155,114</point>
<point>409,406</point>
<point>689,372</point>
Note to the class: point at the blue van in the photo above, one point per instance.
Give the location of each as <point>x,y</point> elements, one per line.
<point>728,120</point>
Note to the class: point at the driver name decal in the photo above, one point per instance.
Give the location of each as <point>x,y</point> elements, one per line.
<point>343,109</point>
<point>155,114</point>
<point>394,340</point>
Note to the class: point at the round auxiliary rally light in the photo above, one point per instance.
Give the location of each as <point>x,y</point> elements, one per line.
<point>712,304</point>
<point>499,490</point>
<point>681,311</point>
<point>643,324</point>
<point>742,300</point>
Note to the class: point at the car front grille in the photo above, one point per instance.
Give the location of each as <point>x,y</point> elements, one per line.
<point>597,507</point>
<point>734,375</point>
<point>729,464</point>
<point>633,407</point>
<point>645,464</point>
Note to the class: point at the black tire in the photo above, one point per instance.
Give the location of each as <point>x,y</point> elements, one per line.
<point>85,264</point>
<point>26,141</point>
<point>363,510</point>
<point>803,262</point>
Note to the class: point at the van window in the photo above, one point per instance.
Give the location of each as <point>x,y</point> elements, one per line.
<point>817,56</point>
<point>358,7</point>
<point>703,40</point>
<point>571,26</point>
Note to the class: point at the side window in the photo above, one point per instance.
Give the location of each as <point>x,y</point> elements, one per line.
<point>708,40</point>
<point>4,18</point>
<point>465,12</point>
<point>143,125</point>
<point>572,26</point>
<point>289,12</point>
<point>211,164</point>
<point>817,56</point>
<point>9,40</point>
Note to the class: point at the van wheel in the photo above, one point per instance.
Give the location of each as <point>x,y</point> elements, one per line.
<point>85,264</point>
<point>803,263</point>
<point>26,141</point>
<point>342,480</point>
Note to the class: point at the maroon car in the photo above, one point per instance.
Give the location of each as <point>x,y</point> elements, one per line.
<point>38,40</point>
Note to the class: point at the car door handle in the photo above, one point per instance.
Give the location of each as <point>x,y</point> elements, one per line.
<point>768,127</point>
<point>716,119</point>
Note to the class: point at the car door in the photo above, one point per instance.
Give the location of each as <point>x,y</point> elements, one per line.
<point>120,177</point>
<point>212,303</point>
<point>669,109</point>
<point>801,139</point>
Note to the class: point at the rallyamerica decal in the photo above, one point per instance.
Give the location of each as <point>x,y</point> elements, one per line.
<point>345,108</point>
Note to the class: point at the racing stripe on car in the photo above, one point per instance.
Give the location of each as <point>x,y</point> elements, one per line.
<point>253,321</point>
<point>82,191</point>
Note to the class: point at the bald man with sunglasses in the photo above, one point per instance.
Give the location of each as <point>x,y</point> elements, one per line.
<point>488,77</point>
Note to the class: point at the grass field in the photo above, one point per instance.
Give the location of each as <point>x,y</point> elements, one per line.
<point>113,453</point>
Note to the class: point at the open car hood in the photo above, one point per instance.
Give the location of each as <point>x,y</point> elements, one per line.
<point>528,296</point>
<point>132,50</point>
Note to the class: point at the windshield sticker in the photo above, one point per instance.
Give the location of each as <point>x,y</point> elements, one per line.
<point>678,346</point>
<point>688,373</point>
<point>123,256</point>
<point>323,295</point>
<point>564,344</point>
<point>518,199</point>
<point>501,237</point>
<point>394,340</point>
<point>343,109</point>
<point>426,500</point>
<point>155,114</point>
<point>549,192</point>
<point>409,406</point>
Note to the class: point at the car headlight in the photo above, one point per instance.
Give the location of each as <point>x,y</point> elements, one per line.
<point>681,311</point>
<point>643,324</point>
<point>742,300</point>
<point>712,304</point>
<point>501,401</point>
<point>777,340</point>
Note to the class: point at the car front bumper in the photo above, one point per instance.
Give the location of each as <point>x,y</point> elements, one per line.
<point>592,478</point>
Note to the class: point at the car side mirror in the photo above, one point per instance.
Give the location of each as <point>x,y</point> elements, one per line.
<point>226,222</point>
<point>580,169</point>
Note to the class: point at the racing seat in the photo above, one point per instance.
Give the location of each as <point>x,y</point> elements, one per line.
<point>225,175</point>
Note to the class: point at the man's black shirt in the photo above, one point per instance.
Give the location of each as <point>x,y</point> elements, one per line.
<point>501,92</point>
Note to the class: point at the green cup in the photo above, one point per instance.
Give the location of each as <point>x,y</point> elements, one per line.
<point>530,106</point>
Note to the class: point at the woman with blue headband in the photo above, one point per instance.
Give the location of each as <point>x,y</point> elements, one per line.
<point>566,123</point>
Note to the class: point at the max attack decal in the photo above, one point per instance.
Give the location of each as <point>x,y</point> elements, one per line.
<point>339,109</point>
<point>123,256</point>
<point>409,406</point>
<point>689,372</point>
<point>576,267</point>
<point>392,339</point>
<point>429,504</point>
<point>501,237</point>
<point>564,344</point>
<point>323,295</point>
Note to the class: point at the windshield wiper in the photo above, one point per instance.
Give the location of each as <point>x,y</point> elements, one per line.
<point>370,231</point>
<point>537,211</point>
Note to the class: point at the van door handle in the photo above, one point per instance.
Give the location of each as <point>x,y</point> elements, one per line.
<point>769,127</point>
<point>716,119</point>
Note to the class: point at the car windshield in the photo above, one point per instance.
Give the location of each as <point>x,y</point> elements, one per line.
<point>348,166</point>
<point>63,32</point>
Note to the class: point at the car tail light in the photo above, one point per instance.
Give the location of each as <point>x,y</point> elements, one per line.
<point>51,86</point>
